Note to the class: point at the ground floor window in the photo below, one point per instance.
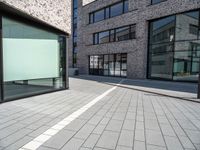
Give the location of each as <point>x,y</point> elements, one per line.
<point>174,47</point>
<point>32,59</point>
<point>108,65</point>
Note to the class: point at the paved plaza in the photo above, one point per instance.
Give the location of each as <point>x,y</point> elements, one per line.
<point>99,113</point>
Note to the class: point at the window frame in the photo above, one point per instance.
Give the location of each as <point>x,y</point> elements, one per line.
<point>130,37</point>
<point>92,14</point>
<point>148,75</point>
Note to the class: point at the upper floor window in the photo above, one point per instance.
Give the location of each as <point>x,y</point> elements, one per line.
<point>110,11</point>
<point>157,1</point>
<point>118,34</point>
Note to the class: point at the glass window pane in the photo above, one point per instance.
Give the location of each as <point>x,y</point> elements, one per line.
<point>96,38</point>
<point>161,65</point>
<point>99,15</point>
<point>75,3</point>
<point>162,30</point>
<point>104,37</point>
<point>116,9</point>
<point>133,32</point>
<point>157,1</point>
<point>122,34</point>
<point>75,12</point>
<point>187,25</point>
<point>106,62</point>
<point>32,59</point>
<point>161,48</point>
<point>126,6</point>
<point>91,18</point>
<point>107,13</point>
<point>101,65</point>
<point>112,35</point>
<point>117,64</point>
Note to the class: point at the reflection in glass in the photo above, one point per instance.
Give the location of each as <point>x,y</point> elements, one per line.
<point>116,9</point>
<point>162,30</point>
<point>99,15</point>
<point>104,37</point>
<point>108,65</point>
<point>175,45</point>
<point>122,34</point>
<point>187,26</point>
<point>161,65</point>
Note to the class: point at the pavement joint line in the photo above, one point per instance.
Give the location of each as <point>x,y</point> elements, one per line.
<point>45,136</point>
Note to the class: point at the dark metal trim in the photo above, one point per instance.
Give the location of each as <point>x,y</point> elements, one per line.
<point>32,95</point>
<point>1,62</point>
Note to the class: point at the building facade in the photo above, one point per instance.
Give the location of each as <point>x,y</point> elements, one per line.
<point>33,47</point>
<point>156,39</point>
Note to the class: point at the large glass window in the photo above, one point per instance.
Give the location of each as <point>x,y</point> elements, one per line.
<point>108,12</point>
<point>108,65</point>
<point>33,60</point>
<point>174,47</point>
<point>118,34</point>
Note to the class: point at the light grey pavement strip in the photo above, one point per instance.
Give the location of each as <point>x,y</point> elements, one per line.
<point>124,119</point>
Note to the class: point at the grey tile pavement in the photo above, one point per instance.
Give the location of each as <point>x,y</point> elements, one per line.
<point>123,120</point>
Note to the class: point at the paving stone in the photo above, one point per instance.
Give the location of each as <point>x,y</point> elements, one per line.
<point>114,125</point>
<point>187,144</point>
<point>139,135</point>
<point>58,140</point>
<point>99,129</point>
<point>83,148</point>
<point>119,116</point>
<point>173,143</point>
<point>73,144</point>
<point>130,116</point>
<point>97,148</point>
<point>152,124</point>
<point>138,145</point>
<point>95,120</point>
<point>105,121</point>
<point>10,130</point>
<point>194,136</point>
<point>85,131</point>
<point>91,141</point>
<point>153,147</point>
<point>126,138</point>
<point>45,148</point>
<point>18,144</point>
<point>14,137</point>
<point>39,131</point>
<point>123,148</point>
<point>108,140</point>
<point>154,138</point>
<point>167,130</point>
<point>139,125</point>
<point>129,125</point>
<point>75,125</point>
